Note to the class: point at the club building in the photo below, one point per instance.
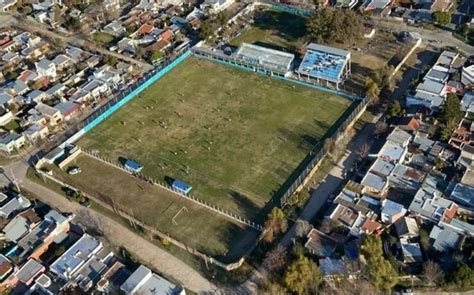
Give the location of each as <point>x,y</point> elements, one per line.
<point>325,65</point>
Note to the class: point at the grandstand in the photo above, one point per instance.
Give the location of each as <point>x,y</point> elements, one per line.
<point>325,64</point>
<point>267,58</point>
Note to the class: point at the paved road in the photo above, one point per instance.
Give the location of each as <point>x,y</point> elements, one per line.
<point>74,39</point>
<point>119,235</point>
<point>445,38</point>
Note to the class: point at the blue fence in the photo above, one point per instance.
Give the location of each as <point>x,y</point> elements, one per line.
<point>108,109</point>
<point>292,9</point>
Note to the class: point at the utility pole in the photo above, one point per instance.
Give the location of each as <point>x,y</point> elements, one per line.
<point>14,180</point>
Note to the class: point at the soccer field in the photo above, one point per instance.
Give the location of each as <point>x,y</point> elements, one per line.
<point>233,135</point>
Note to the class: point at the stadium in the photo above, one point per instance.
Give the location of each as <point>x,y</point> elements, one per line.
<point>232,129</point>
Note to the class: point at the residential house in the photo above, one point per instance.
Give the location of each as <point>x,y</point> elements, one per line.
<point>320,244</point>
<point>5,99</point>
<point>56,90</point>
<point>36,132</point>
<point>144,281</point>
<point>429,93</point>
<point>462,135</point>
<point>371,227</point>
<point>5,116</point>
<point>26,274</point>
<point>53,228</point>
<point>70,262</point>
<point>37,96</point>
<point>90,273</point>
<point>215,6</point>
<point>115,28</point>
<point>17,87</point>
<point>407,228</point>
<point>28,76</point>
<point>431,206</point>
<point>7,5</point>
<point>61,62</point>
<point>444,240</point>
<point>408,124</point>
<point>46,68</point>
<point>406,178</point>
<point>11,141</point>
<point>68,109</point>
<point>410,252</point>
<point>53,115</point>
<point>463,195</point>
<point>20,225</point>
<point>109,76</point>
<point>6,267</point>
<point>467,76</point>
<point>391,211</point>
<point>76,54</point>
<point>375,184</point>
<point>12,204</point>
<point>466,158</point>
<point>95,88</point>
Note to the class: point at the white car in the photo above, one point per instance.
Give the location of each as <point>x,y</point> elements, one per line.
<point>74,170</point>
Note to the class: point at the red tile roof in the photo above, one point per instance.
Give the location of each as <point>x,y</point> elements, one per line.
<point>145,29</point>
<point>166,35</point>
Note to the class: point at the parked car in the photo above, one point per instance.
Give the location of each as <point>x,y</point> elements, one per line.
<point>74,170</point>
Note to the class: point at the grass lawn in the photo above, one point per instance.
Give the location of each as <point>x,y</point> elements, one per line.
<point>198,227</point>
<point>234,136</point>
<point>102,38</point>
<point>277,30</point>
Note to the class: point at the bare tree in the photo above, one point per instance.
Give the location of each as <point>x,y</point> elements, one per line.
<point>380,128</point>
<point>302,228</point>
<point>91,222</point>
<point>329,145</point>
<point>275,259</point>
<point>328,225</point>
<point>432,273</point>
<point>363,151</point>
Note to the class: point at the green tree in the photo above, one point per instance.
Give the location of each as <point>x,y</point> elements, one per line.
<point>156,55</point>
<point>442,17</point>
<point>330,25</point>
<point>206,30</point>
<point>450,115</point>
<point>373,90</point>
<point>463,276</point>
<point>302,275</point>
<point>451,112</point>
<point>111,60</point>
<point>382,274</point>
<point>276,223</point>
<point>59,251</point>
<point>395,109</point>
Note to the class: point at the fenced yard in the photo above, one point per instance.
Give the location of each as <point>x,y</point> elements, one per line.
<point>194,226</point>
<point>233,135</point>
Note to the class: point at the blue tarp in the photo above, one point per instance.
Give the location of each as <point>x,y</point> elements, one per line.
<point>181,186</point>
<point>132,165</point>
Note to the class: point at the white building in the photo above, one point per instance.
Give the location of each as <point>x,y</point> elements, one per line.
<point>46,68</point>
<point>467,77</point>
<point>143,281</point>
<point>215,5</point>
<point>11,141</point>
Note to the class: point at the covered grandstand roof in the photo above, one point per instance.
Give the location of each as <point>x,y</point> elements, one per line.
<point>265,56</point>
<point>323,62</point>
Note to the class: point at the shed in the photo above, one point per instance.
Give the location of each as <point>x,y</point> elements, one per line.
<point>181,187</point>
<point>134,166</point>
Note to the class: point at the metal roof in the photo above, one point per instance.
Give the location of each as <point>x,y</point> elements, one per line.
<point>265,56</point>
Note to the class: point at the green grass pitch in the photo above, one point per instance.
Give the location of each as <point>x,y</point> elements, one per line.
<point>234,136</point>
